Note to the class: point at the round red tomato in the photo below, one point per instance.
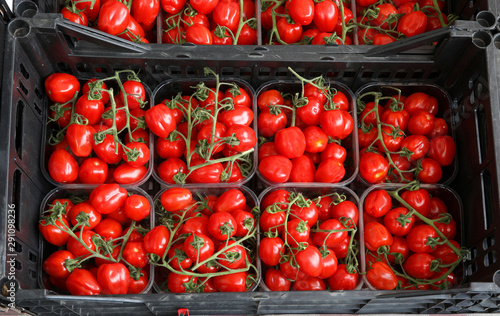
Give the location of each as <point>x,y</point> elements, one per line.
<point>137,207</point>
<point>276,168</point>
<point>337,124</point>
<point>113,278</point>
<point>418,265</point>
<point>342,279</point>
<point>61,87</point>
<point>442,149</point>
<point>270,250</point>
<point>54,265</point>
<point>276,281</point>
<point>310,261</point>
<point>221,226</point>
<point>83,282</point>
<point>381,276</point>
<point>373,167</point>
<point>376,235</point>
<point>62,166</point>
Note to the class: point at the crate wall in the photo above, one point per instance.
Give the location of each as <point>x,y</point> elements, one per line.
<point>39,47</point>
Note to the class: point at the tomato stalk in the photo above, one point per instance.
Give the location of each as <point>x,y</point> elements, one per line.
<point>59,112</point>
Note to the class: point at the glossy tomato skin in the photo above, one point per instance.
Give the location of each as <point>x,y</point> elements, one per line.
<point>137,207</point>
<point>290,142</point>
<point>303,169</point>
<point>175,199</point>
<point>342,279</point>
<point>199,34</point>
<point>395,227</point>
<point>61,87</point>
<point>412,24</point>
<point>114,17</point>
<point>381,276</point>
<point>418,265</point>
<point>235,282</point>
<point>127,174</point>
<point>54,264</point>
<point>221,226</point>
<point>419,236</point>
<point>179,283</point>
<point>53,233</point>
<point>160,120</point>
<point>376,235</point>
<point>276,168</point>
<point>337,124</point>
<point>135,254</point>
<point>108,198</point>
<point>113,278</point>
<point>442,149</point>
<point>62,166</point>
<point>310,261</point>
<point>270,250</point>
<point>83,282</point>
<point>373,167</point>
<point>93,171</point>
<point>377,203</point>
<point>276,281</point>
<point>309,284</point>
<point>169,168</point>
<point>200,252</point>
<point>330,170</point>
<point>231,200</point>
<point>80,139</point>
<point>289,32</point>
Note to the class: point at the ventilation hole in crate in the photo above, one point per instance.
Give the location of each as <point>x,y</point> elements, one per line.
<point>37,108</point>
<point>32,256</point>
<point>315,73</point>
<point>18,265</point>
<point>490,258</point>
<point>18,247</point>
<point>384,75</point>
<point>401,74</point>
<point>434,74</point>
<point>174,70</point>
<point>482,132</point>
<point>418,74</point>
<point>32,273</point>
<point>479,91</point>
<point>24,72</point>
<point>488,205</point>
<point>349,74</point>
<point>472,99</point>
<point>63,67</point>
<point>23,88</point>
<point>471,269</point>
<point>19,129</point>
<point>38,93</point>
<point>82,68</point>
<point>245,71</point>
<point>16,192</point>
<point>264,72</point>
<point>472,253</point>
<point>228,71</point>
<point>102,69</point>
<point>284,73</point>
<point>191,71</point>
<point>488,242</point>
<point>367,74</point>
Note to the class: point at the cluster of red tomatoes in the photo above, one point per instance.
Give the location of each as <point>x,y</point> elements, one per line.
<point>383,22</point>
<point>409,249</point>
<point>101,248</point>
<point>209,22</point>
<point>132,20</point>
<point>96,136</point>
<point>401,138</point>
<point>206,243</point>
<point>304,135</point>
<point>303,241</point>
<point>211,139</point>
<point>306,21</point>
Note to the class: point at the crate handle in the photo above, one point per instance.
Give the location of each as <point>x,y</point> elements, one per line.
<point>409,43</point>
<point>94,36</point>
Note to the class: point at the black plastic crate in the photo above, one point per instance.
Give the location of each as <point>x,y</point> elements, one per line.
<point>466,67</point>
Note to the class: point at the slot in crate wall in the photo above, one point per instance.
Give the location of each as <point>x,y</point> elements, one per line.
<point>38,48</point>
